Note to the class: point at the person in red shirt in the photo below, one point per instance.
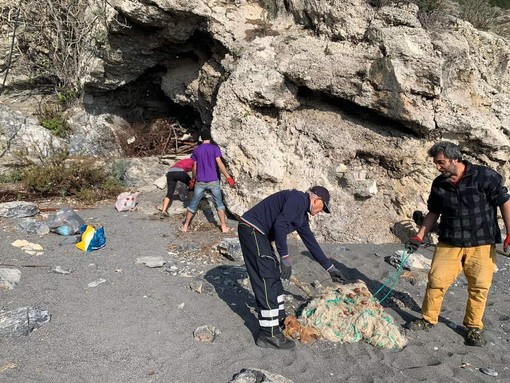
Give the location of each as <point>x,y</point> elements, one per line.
<point>177,172</point>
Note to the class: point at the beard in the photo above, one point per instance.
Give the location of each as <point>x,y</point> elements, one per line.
<point>449,171</point>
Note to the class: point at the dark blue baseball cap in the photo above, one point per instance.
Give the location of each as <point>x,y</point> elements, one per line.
<point>323,194</point>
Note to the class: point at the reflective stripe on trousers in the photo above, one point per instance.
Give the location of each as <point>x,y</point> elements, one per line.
<point>264,271</point>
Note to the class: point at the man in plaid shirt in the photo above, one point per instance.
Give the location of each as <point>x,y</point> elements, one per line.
<point>466,196</point>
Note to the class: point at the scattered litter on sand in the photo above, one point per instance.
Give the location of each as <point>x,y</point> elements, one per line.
<point>347,313</point>
<point>65,222</point>
<point>126,201</point>
<point>252,375</point>
<point>206,333</point>
<point>151,261</point>
<point>18,209</point>
<point>60,270</point>
<point>488,371</point>
<point>412,261</point>
<point>32,226</point>
<point>8,366</point>
<point>96,282</point>
<point>9,277</point>
<point>28,247</point>
<point>22,321</point>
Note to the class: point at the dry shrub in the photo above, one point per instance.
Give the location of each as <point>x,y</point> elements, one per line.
<point>429,5</point>
<point>479,13</point>
<point>502,25</point>
<point>81,177</point>
<point>51,39</point>
<point>270,7</point>
<point>380,3</point>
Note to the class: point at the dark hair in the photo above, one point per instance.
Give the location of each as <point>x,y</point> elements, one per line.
<point>449,149</point>
<point>205,135</point>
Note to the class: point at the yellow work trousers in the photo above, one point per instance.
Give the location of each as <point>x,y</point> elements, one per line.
<point>478,263</point>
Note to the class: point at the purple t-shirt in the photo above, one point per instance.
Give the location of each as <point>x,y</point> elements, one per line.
<point>205,156</point>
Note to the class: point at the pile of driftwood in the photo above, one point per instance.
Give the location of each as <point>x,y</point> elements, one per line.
<point>160,137</point>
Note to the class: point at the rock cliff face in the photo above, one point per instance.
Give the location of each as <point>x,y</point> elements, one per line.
<point>340,94</point>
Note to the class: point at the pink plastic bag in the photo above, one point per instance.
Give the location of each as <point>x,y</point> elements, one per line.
<point>126,201</point>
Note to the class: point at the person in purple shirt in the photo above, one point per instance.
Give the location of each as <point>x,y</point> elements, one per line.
<point>207,157</point>
<point>273,219</point>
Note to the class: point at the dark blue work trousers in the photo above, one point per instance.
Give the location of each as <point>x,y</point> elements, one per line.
<point>264,271</point>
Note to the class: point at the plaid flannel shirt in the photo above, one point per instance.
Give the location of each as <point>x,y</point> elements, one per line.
<point>469,210</point>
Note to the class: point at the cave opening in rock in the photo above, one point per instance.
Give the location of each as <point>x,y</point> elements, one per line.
<point>155,125</point>
<point>164,108</point>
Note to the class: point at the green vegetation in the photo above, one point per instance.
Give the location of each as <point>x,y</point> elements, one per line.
<point>479,13</point>
<point>504,4</point>
<point>51,111</point>
<point>10,178</point>
<point>485,15</point>
<point>56,125</point>
<point>51,117</point>
<point>82,177</point>
<point>428,5</point>
<point>66,97</point>
<point>271,8</point>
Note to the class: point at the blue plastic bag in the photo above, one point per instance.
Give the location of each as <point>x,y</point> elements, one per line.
<point>91,238</point>
<point>65,222</point>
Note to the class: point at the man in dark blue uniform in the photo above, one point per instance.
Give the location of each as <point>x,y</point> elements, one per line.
<point>273,219</point>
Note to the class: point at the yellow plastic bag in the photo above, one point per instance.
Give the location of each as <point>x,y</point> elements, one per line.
<point>92,239</point>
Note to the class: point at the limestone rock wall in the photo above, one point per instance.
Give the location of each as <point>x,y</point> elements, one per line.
<point>311,92</point>
<point>374,102</point>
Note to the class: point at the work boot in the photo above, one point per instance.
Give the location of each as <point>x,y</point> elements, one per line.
<point>474,337</point>
<point>279,341</point>
<point>419,324</point>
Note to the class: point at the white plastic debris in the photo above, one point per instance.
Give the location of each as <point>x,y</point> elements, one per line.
<point>151,261</point>
<point>60,270</point>
<point>22,321</point>
<point>488,371</point>
<point>96,282</point>
<point>9,278</point>
<point>28,247</point>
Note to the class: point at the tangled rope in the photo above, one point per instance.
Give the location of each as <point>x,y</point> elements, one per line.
<point>393,278</point>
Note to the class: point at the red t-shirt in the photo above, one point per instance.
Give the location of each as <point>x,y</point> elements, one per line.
<point>185,164</point>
